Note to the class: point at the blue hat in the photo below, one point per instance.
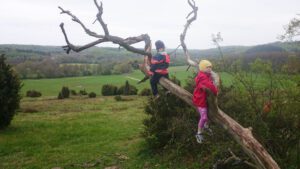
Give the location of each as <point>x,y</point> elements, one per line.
<point>159,44</point>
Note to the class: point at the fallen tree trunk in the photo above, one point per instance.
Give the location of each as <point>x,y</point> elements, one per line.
<point>241,135</point>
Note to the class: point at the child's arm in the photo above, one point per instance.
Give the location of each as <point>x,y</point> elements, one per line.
<point>204,82</point>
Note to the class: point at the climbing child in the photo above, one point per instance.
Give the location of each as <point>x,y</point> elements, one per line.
<point>159,66</point>
<point>203,80</point>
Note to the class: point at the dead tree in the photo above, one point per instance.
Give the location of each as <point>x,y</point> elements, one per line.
<point>243,136</point>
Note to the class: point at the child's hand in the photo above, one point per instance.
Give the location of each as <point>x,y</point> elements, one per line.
<point>150,73</point>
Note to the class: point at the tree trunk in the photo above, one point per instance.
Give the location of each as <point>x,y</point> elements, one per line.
<point>243,136</point>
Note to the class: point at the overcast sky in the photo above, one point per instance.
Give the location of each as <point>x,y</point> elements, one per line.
<point>241,22</point>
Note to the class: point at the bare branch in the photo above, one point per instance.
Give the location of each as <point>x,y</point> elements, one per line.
<point>99,17</point>
<point>75,19</point>
<point>70,46</point>
<point>104,38</point>
<point>188,23</point>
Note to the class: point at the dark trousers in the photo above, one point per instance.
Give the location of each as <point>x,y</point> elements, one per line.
<point>154,80</point>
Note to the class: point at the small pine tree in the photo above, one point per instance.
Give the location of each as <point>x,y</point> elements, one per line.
<point>65,92</point>
<point>109,90</point>
<point>10,86</point>
<point>126,88</point>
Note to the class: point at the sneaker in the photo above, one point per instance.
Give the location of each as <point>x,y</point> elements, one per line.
<point>199,138</point>
<point>208,131</point>
<point>156,97</point>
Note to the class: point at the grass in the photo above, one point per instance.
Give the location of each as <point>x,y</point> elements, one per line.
<point>79,131</point>
<point>69,133</point>
<point>51,87</point>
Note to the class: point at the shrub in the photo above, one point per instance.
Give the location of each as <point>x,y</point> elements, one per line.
<point>10,86</point>
<point>127,89</point>
<point>64,93</point>
<point>33,93</point>
<point>109,90</point>
<point>118,98</point>
<point>92,95</point>
<point>82,92</point>
<point>145,92</point>
<point>171,122</point>
<point>73,92</point>
<point>60,96</point>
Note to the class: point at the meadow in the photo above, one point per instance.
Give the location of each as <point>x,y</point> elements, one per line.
<point>79,132</point>
<point>82,132</point>
<point>73,133</point>
<point>51,87</point>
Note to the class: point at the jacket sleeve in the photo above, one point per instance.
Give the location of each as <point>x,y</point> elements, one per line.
<point>205,82</point>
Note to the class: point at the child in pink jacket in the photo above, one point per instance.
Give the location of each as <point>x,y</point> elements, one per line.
<point>203,80</point>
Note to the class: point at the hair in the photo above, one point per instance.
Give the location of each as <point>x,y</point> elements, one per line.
<point>159,44</point>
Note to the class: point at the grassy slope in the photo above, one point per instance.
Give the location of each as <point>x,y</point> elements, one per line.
<point>64,133</point>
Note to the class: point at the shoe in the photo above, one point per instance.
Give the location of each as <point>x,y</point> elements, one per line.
<point>168,93</point>
<point>199,138</point>
<point>156,97</point>
<point>208,130</point>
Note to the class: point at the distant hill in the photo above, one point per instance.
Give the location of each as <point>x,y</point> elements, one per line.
<point>102,54</point>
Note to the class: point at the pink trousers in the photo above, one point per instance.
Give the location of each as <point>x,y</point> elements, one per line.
<point>203,116</point>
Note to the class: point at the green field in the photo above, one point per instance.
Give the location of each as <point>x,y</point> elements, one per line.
<point>80,132</point>
<point>51,87</point>
<point>69,133</point>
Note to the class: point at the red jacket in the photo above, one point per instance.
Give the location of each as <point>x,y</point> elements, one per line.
<point>203,80</point>
<point>160,63</point>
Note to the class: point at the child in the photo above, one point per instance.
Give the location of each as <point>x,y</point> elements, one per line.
<point>203,80</point>
<point>159,66</point>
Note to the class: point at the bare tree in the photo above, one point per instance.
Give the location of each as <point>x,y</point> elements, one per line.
<point>292,30</point>
<point>243,136</point>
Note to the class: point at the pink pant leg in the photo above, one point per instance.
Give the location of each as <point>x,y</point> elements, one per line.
<point>203,116</point>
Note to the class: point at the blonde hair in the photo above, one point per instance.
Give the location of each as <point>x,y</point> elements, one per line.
<point>204,64</point>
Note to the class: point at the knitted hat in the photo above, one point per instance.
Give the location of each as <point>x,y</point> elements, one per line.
<point>159,44</point>
<point>204,64</point>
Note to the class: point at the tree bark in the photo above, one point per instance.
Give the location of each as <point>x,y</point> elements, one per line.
<point>241,135</point>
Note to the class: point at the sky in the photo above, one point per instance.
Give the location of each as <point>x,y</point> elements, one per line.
<point>240,22</point>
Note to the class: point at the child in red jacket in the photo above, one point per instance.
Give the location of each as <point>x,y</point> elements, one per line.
<point>203,80</point>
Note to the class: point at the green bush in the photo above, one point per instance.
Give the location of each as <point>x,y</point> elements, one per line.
<point>171,124</point>
<point>127,89</point>
<point>118,98</point>
<point>145,92</point>
<point>33,93</point>
<point>92,95</point>
<point>64,93</point>
<point>73,92</point>
<point>83,92</point>
<point>10,86</point>
<point>109,90</point>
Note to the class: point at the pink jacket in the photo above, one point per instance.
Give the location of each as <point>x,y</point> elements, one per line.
<point>203,80</point>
